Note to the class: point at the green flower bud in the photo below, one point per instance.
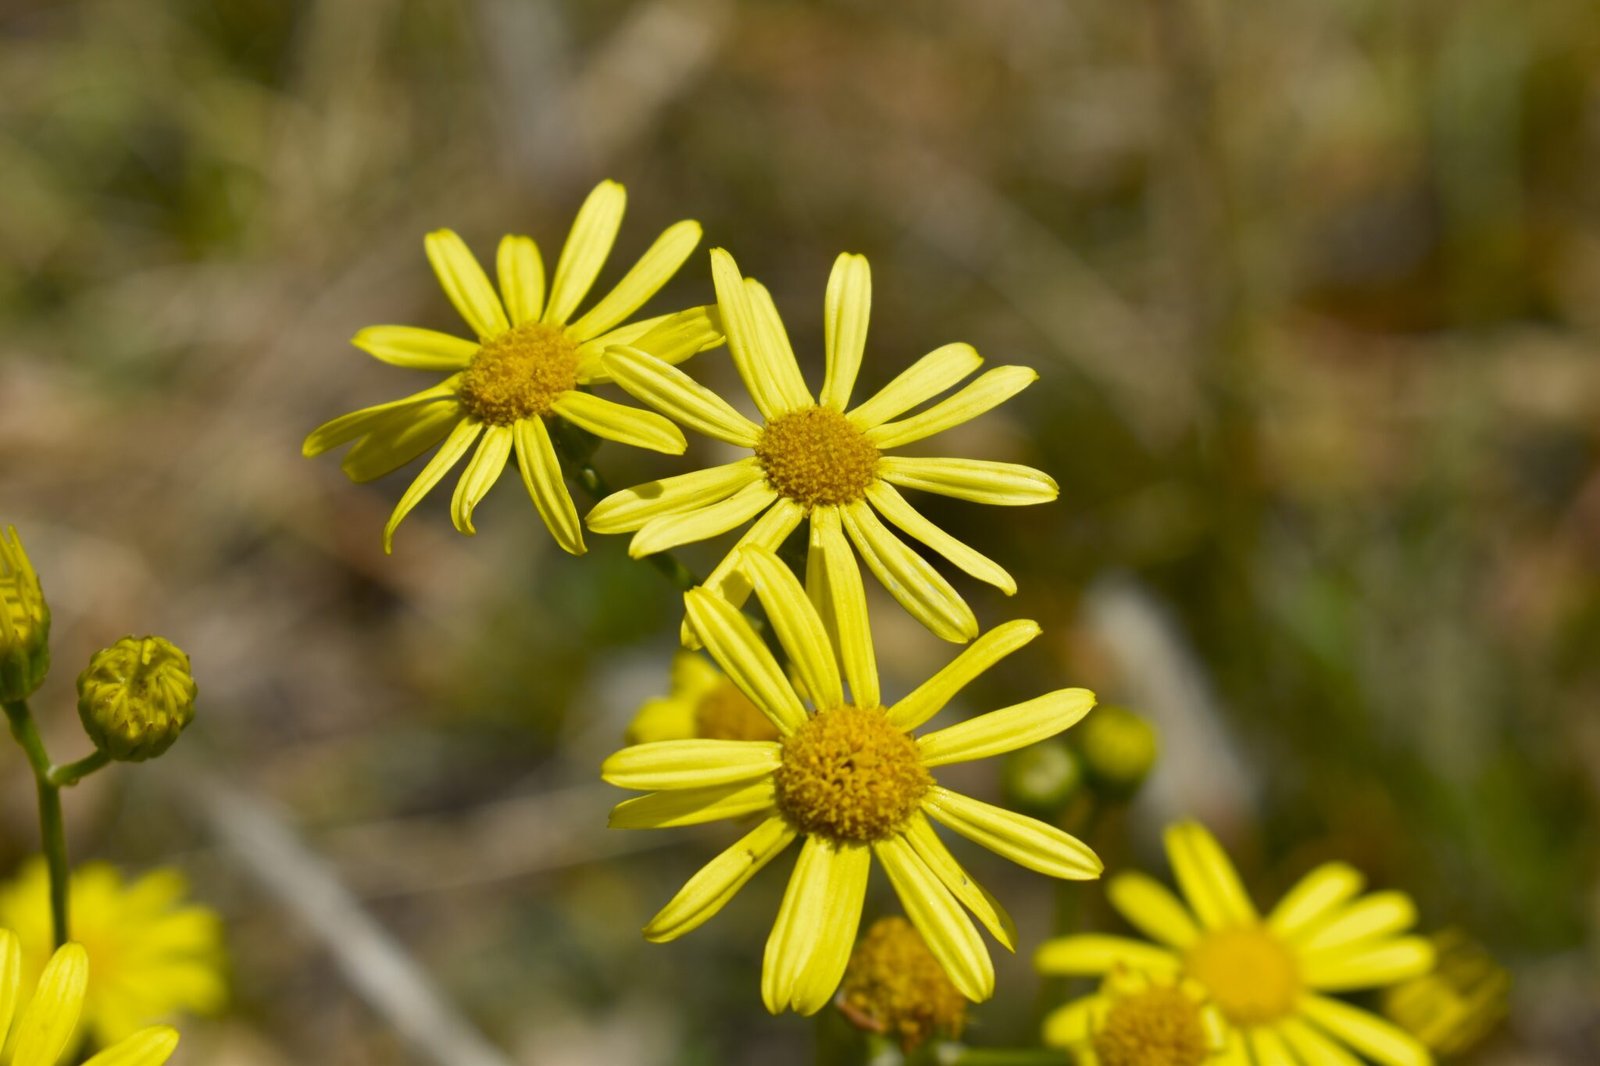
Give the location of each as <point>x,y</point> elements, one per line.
<point>24,623</point>
<point>1119,749</point>
<point>136,697</point>
<point>1043,778</point>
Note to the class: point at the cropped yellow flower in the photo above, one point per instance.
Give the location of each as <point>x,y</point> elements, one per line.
<point>851,779</point>
<point>818,458</point>
<point>894,985</point>
<point>1457,1005</point>
<point>151,953</point>
<point>529,362</point>
<point>1139,1019</point>
<point>1268,978</point>
<point>704,704</point>
<point>48,1024</point>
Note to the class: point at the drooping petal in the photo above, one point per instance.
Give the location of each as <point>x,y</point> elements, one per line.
<point>1026,841</point>
<point>833,583</point>
<point>694,806</point>
<point>673,764</point>
<point>1314,897</point>
<point>911,522</point>
<point>796,624</point>
<point>930,697</point>
<point>816,926</point>
<point>670,338</point>
<point>1379,914</point>
<point>619,422</point>
<point>1150,907</point>
<point>51,1016</point>
<point>1207,877</point>
<point>400,438</point>
<point>918,587</point>
<point>744,657</point>
<point>521,271</point>
<point>348,427</point>
<point>670,530</point>
<point>541,476</point>
<point>147,1047</point>
<point>1367,1033</point>
<point>1313,1047</point>
<point>653,270</point>
<point>449,453</point>
<point>944,926</point>
<point>978,480</point>
<point>940,369</point>
<point>678,396</point>
<point>847,306</point>
<point>594,231</point>
<point>627,510</point>
<point>1093,953</point>
<point>725,579</point>
<point>479,477</point>
<point>924,840</point>
<point>465,283</point>
<point>763,358</point>
<point>990,390</point>
<point>1007,729</point>
<point>10,979</point>
<point>1268,1049</point>
<point>719,880</point>
<point>1367,964</point>
<point>415,348</point>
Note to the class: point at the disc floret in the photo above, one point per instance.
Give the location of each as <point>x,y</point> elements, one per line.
<point>519,373</point>
<point>849,775</point>
<point>816,456</point>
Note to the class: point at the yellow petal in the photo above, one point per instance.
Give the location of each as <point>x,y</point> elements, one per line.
<point>10,977</point>
<point>796,624</point>
<point>399,439</point>
<point>479,477</point>
<point>594,230</point>
<point>449,453</point>
<point>414,348</point>
<point>147,1047</point>
<point>1207,877</point>
<point>1367,965</point>
<point>744,657</point>
<point>816,926</point>
<point>1368,1034</point>
<point>465,283</point>
<point>653,270</point>
<point>924,840</point>
<point>1026,841</point>
<point>1152,909</point>
<point>670,338</point>
<point>988,391</point>
<point>541,476</point>
<point>940,369</point>
<point>1376,915</point>
<point>693,806</point>
<point>678,396</point>
<point>846,308</point>
<point>703,523</point>
<point>627,510</point>
<point>762,356</point>
<point>674,764</point>
<point>618,422</point>
<point>833,584</point>
<point>1314,897</point>
<point>348,427</point>
<point>725,579</point>
<point>894,507</point>
<point>1313,1047</point>
<point>1007,729</point>
<point>918,587</point>
<point>997,484</point>
<point>1268,1049</point>
<point>944,926</point>
<point>717,882</point>
<point>521,271</point>
<point>665,718</point>
<point>51,1016</point>
<point>929,698</point>
<point>1095,953</point>
<point>1070,1026</point>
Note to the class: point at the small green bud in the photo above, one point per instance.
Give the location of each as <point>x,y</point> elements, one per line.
<point>136,697</point>
<point>1043,778</point>
<point>24,623</point>
<point>1119,749</point>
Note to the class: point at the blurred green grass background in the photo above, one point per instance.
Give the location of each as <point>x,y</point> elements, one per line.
<point>1312,288</point>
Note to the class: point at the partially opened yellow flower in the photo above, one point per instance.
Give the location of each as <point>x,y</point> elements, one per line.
<point>851,780</point>
<point>1137,1019</point>
<point>703,704</point>
<point>48,1024</point>
<point>529,361</point>
<point>820,458</point>
<point>152,952</point>
<point>1269,978</point>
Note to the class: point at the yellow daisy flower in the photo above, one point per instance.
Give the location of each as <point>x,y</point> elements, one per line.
<point>152,954</point>
<point>821,459</point>
<point>1269,977</point>
<point>851,779</point>
<point>48,1024</point>
<point>1139,1019</point>
<point>703,704</point>
<point>530,361</point>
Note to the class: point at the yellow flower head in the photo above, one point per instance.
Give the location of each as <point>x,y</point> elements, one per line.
<point>24,622</point>
<point>1139,1019</point>
<point>529,361</point>
<point>1268,978</point>
<point>820,459</point>
<point>894,985</point>
<point>151,954</point>
<point>48,1023</point>
<point>703,704</point>
<point>1453,1008</point>
<point>850,778</point>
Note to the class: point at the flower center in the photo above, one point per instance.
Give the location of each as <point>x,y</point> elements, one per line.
<point>817,456</point>
<point>1251,976</point>
<point>849,775</point>
<point>1157,1027</point>
<point>519,373</point>
<point>895,985</point>
<point>725,713</point>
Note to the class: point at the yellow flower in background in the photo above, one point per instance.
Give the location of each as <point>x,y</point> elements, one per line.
<point>1456,1006</point>
<point>1139,1019</point>
<point>529,361</point>
<point>850,779</point>
<point>48,1021</point>
<point>152,954</point>
<point>703,704</point>
<point>1269,978</point>
<point>894,985</point>
<point>821,459</point>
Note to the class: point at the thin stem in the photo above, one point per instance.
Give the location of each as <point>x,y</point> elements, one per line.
<point>52,829</point>
<point>594,483</point>
<point>73,772</point>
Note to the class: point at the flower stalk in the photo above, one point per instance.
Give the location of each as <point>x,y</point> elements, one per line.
<point>52,829</point>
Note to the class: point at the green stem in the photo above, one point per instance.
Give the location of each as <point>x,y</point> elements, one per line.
<point>955,1055</point>
<point>73,772</point>
<point>52,829</point>
<point>595,485</point>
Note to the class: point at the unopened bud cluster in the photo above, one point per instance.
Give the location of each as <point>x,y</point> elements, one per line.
<point>136,697</point>
<point>24,623</point>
